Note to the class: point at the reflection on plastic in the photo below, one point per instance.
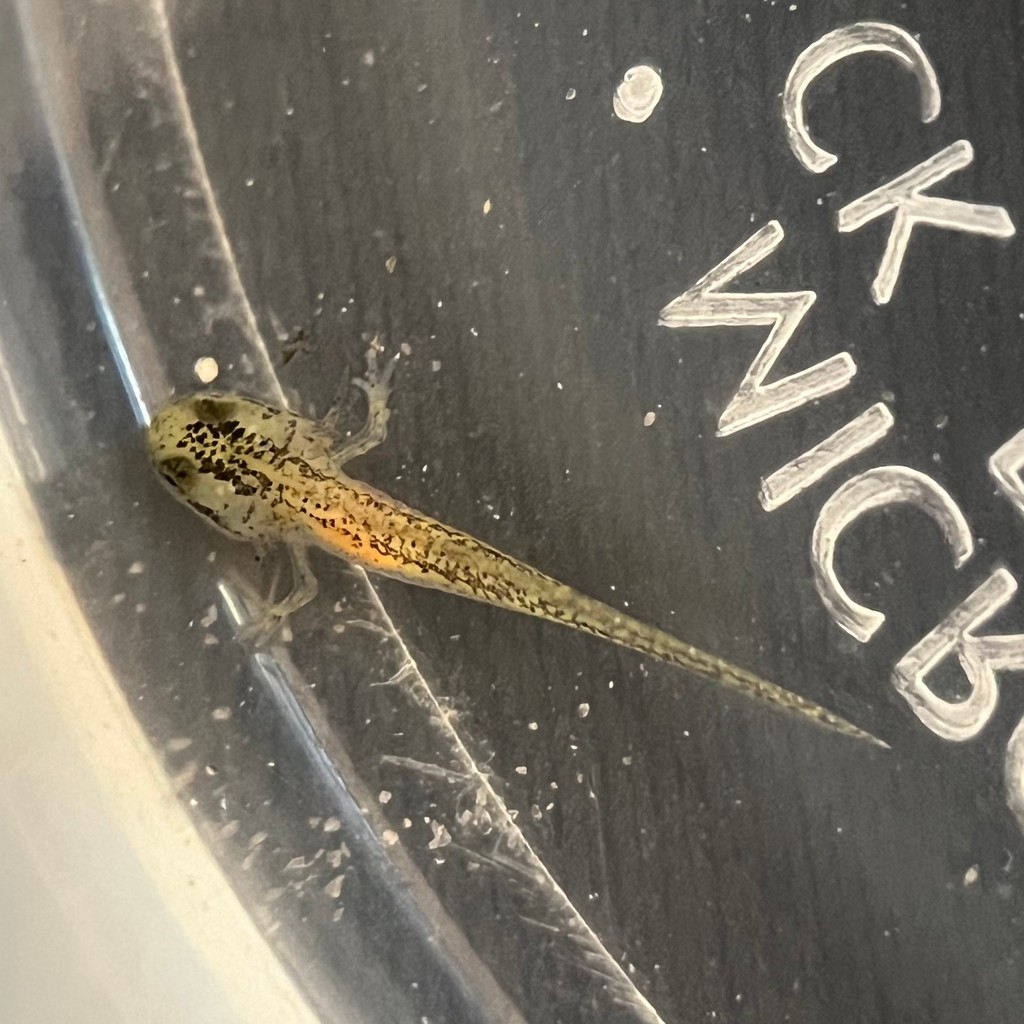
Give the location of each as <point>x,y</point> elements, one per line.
<point>475,834</point>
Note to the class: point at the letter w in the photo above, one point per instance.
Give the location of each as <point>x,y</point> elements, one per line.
<point>705,305</point>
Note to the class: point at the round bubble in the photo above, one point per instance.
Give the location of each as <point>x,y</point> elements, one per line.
<point>638,94</point>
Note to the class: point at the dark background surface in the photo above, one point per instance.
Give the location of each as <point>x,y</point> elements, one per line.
<point>747,868</point>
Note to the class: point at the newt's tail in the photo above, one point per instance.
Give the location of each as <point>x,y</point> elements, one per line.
<point>592,616</point>
<point>433,555</point>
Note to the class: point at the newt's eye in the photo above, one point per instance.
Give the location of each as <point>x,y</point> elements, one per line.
<point>213,409</point>
<point>179,472</point>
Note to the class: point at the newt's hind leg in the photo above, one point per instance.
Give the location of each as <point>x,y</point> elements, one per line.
<point>377,386</point>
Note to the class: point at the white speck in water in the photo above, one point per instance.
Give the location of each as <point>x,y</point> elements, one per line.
<point>389,837</point>
<point>333,887</point>
<point>583,710</point>
<point>136,568</point>
<point>627,760</point>
<point>648,419</point>
<point>332,824</point>
<point>441,836</point>
<point>369,59</point>
<point>638,94</point>
<point>971,875</point>
<point>390,263</point>
<point>209,618</point>
<point>532,726</point>
<point>487,207</point>
<point>520,769</point>
<point>384,796</point>
<point>435,365</point>
<point>571,94</point>
<point>249,182</point>
<point>221,714</point>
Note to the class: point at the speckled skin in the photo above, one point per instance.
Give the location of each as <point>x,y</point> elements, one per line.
<point>264,474</point>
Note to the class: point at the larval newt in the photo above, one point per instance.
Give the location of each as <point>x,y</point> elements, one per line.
<point>265,474</point>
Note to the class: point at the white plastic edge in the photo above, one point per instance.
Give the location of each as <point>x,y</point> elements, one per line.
<point>76,706</point>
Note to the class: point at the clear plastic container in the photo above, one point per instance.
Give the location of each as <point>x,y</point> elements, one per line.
<point>413,808</point>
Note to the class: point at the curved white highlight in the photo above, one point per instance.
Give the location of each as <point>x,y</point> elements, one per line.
<point>861,37</point>
<point>1013,774</point>
<point>874,489</point>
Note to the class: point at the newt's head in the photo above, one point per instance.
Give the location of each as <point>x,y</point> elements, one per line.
<point>217,452</point>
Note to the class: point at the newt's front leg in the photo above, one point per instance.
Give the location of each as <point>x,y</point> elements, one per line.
<point>377,387</point>
<point>267,620</point>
